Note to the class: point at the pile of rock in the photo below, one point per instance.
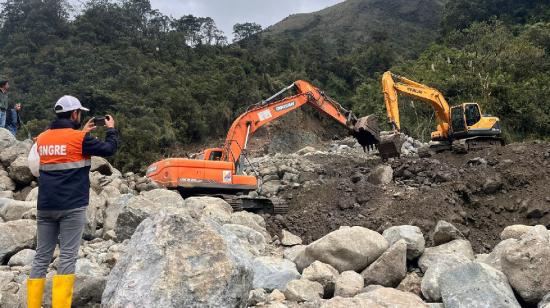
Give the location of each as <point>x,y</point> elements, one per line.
<point>357,267</point>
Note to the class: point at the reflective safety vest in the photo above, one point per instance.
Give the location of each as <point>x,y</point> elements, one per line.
<point>61,149</point>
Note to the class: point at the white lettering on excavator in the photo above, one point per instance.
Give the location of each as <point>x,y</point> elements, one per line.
<point>285,106</point>
<point>50,150</point>
<point>264,115</point>
<point>227,176</point>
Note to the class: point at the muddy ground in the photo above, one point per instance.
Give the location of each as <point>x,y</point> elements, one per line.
<point>480,193</point>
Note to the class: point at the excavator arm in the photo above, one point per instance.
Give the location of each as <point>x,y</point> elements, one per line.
<point>392,85</point>
<point>269,110</point>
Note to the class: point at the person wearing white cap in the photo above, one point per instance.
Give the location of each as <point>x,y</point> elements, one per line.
<point>64,186</point>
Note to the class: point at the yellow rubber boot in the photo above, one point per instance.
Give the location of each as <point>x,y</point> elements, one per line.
<point>62,291</point>
<point>35,290</point>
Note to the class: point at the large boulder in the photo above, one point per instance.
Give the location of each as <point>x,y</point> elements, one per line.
<point>251,220</point>
<point>13,209</point>
<point>15,236</point>
<point>22,258</point>
<point>19,171</point>
<point>348,284</point>
<point>96,204</point>
<point>526,263</point>
<point>137,209</point>
<point>445,232</point>
<point>411,283</point>
<point>272,273</point>
<point>430,282</point>
<point>32,195</point>
<point>389,298</point>
<point>390,268</point>
<point>164,197</point>
<point>20,148</point>
<point>207,264</point>
<point>456,247</point>
<point>112,210</point>
<point>412,236</point>
<point>515,232</point>
<point>101,165</point>
<point>210,208</point>
<point>303,290</point>
<point>494,258</point>
<point>545,303</point>
<point>322,273</point>
<point>348,248</point>
<point>6,183</point>
<point>6,138</point>
<point>476,285</point>
<point>249,238</point>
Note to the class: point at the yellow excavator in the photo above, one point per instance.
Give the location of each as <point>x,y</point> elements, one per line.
<point>459,128</point>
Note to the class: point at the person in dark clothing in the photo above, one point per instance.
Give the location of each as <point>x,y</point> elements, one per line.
<point>64,187</point>
<point>13,122</point>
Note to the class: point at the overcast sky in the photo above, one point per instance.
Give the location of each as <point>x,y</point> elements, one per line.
<point>226,13</point>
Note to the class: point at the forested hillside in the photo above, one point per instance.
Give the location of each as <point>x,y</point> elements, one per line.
<point>173,82</point>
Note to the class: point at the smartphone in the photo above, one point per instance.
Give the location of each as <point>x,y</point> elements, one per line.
<point>99,121</point>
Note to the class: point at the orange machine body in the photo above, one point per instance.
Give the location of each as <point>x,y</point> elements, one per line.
<point>219,170</point>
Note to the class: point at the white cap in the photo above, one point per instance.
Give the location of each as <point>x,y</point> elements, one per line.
<point>68,103</point>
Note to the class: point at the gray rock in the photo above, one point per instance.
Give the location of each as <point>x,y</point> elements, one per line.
<point>95,205</point>
<point>6,194</point>
<point>494,258</point>
<point>251,220</point>
<point>289,239</point>
<point>292,253</point>
<point>515,232</point>
<point>492,185</point>
<point>13,209</point>
<point>456,247</point>
<point>526,263</point>
<point>545,303</point>
<point>206,262</point>
<point>381,175</point>
<point>412,236</point>
<point>272,273</point>
<point>445,232</point>
<point>9,155</point>
<point>476,285</point>
<point>390,268</point>
<point>6,183</point>
<point>388,297</point>
<point>133,212</point>
<point>249,238</point>
<point>210,208</point>
<point>322,273</point>
<point>164,197</point>
<point>348,284</point>
<point>348,248</point>
<point>16,236</point>
<point>19,171</point>
<point>101,165</point>
<point>303,291</point>
<point>6,139</point>
<point>271,188</point>
<point>111,212</point>
<point>22,258</point>
<point>88,290</point>
<point>430,285</point>
<point>33,195</point>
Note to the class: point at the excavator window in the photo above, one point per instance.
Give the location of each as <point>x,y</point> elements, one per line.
<point>472,114</point>
<point>215,156</point>
<point>457,119</point>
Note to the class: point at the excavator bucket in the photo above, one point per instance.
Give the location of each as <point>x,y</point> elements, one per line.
<point>367,132</point>
<point>390,145</point>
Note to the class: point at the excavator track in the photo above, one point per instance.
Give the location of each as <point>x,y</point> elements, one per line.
<point>280,206</point>
<point>464,146</point>
<point>255,204</point>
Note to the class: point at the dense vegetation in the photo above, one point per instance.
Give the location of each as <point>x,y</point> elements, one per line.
<point>173,82</point>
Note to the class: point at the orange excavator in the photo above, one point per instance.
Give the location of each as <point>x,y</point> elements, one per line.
<point>220,170</point>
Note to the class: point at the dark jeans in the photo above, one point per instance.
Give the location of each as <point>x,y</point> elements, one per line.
<point>67,225</point>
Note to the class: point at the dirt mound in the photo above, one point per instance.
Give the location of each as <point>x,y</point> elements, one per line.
<point>480,192</point>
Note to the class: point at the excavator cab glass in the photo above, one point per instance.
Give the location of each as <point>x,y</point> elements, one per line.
<point>472,113</point>
<point>215,155</point>
<point>457,119</point>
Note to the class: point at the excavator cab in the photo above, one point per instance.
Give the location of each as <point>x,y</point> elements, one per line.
<point>468,121</point>
<point>213,154</point>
